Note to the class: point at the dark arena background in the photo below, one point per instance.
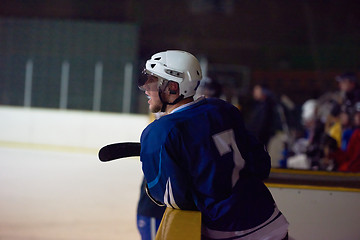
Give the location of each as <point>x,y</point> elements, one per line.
<point>68,73</point>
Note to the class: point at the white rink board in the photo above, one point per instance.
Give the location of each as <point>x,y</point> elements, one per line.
<point>69,128</point>
<point>320,214</point>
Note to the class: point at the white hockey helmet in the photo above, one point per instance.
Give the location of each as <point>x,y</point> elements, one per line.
<point>309,110</point>
<point>178,66</point>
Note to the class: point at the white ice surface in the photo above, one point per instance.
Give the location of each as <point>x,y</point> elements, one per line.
<point>61,195</point>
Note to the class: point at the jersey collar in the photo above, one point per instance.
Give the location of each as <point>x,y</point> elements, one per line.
<point>187,105</point>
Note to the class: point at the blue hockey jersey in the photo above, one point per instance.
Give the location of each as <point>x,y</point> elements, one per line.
<point>201,157</point>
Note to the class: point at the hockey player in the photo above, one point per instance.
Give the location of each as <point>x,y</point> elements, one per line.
<point>199,156</point>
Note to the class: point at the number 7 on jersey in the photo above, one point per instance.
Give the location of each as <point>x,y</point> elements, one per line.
<point>225,143</point>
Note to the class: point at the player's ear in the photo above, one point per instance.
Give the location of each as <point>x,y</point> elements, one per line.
<point>173,87</point>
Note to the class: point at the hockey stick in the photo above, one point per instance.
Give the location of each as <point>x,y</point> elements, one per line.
<point>119,150</point>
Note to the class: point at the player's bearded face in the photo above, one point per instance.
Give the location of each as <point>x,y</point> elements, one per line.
<point>152,92</point>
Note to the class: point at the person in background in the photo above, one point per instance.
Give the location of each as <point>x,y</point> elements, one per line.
<point>333,126</point>
<point>346,126</point>
<point>339,159</point>
<point>261,121</point>
<point>149,215</point>
<point>349,89</point>
<point>346,154</point>
<point>306,152</point>
<point>351,163</point>
<point>209,87</point>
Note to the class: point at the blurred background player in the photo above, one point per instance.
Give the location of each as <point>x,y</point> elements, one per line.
<point>349,89</point>
<point>149,215</point>
<point>209,87</point>
<point>261,121</point>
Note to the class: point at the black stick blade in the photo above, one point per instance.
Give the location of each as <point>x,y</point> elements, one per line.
<point>119,150</point>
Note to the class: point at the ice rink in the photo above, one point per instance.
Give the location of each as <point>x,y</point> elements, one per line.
<point>48,195</point>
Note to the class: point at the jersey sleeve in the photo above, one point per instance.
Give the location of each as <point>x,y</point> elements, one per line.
<point>167,180</point>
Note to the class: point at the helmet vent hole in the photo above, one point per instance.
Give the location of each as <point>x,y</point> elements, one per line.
<point>158,58</point>
<point>152,65</point>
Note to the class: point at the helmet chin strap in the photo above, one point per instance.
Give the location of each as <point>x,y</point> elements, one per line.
<point>163,108</point>
<point>164,103</point>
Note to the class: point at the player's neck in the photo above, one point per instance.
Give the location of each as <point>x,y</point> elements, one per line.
<point>170,108</point>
